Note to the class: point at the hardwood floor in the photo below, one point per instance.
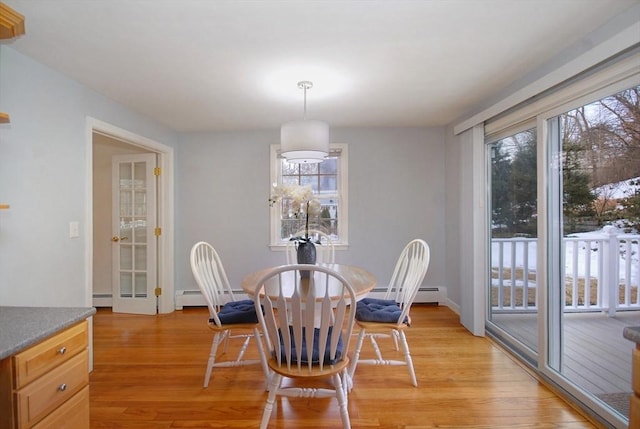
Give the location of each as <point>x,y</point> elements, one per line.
<point>149,370</point>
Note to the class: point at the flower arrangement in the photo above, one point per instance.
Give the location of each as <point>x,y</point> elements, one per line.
<point>302,203</point>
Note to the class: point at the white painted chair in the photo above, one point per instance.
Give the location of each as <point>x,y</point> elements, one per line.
<point>325,251</point>
<point>389,317</point>
<point>225,312</point>
<point>287,324</point>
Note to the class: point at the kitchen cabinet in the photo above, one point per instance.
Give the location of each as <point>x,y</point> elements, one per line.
<point>45,384</point>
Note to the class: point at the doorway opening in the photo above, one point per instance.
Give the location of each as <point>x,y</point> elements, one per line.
<point>107,143</point>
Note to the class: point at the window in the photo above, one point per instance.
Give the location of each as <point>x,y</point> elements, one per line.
<point>328,180</point>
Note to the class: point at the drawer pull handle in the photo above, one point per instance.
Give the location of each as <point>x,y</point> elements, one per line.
<point>62,387</point>
<point>62,351</point>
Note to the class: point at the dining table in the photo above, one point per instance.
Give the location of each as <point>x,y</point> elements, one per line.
<point>360,279</point>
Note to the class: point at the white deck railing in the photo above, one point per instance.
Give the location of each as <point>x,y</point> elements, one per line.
<point>601,272</point>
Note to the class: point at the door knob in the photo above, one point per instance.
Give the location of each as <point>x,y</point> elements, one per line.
<point>115,238</point>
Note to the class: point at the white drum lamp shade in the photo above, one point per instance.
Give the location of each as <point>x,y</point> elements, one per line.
<point>304,141</point>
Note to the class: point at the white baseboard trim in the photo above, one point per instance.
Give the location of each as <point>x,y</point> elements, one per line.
<point>426,295</point>
<point>102,300</point>
<point>189,298</point>
<point>453,306</point>
<point>194,298</point>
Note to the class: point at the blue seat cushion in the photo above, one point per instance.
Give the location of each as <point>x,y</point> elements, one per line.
<point>243,311</point>
<point>315,355</point>
<point>378,310</point>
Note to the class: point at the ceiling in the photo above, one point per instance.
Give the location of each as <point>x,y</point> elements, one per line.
<point>204,65</point>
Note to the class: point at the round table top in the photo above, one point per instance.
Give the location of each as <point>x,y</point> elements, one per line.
<point>360,279</point>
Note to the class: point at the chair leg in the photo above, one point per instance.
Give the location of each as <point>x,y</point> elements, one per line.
<point>346,384</point>
<point>395,334</point>
<point>376,349</point>
<point>263,356</point>
<point>242,350</point>
<point>274,385</point>
<point>407,357</point>
<point>225,339</point>
<point>356,356</point>
<point>342,401</point>
<point>212,358</point>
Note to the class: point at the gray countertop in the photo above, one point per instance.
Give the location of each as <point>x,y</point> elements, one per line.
<point>632,333</point>
<point>22,327</point>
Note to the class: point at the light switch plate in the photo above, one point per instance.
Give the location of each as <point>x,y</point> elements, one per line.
<point>74,229</point>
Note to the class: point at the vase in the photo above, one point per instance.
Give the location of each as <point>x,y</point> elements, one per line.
<point>306,254</point>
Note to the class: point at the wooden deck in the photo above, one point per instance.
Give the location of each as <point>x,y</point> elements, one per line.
<point>596,355</point>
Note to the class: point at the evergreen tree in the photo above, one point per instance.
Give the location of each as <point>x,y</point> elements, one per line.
<point>501,213</point>
<point>525,184</point>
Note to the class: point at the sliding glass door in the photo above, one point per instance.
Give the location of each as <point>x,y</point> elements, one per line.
<point>513,288</point>
<point>564,205</point>
<point>592,229</point>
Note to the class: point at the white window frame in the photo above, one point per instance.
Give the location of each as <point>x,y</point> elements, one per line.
<point>275,212</point>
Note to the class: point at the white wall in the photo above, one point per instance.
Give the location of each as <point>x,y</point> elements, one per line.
<point>396,193</point>
<point>43,169</point>
<point>222,186</point>
<point>453,217</point>
<point>400,187</point>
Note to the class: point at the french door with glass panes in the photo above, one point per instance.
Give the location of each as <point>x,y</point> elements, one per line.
<point>134,240</point>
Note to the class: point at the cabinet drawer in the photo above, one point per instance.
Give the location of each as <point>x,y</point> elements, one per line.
<point>41,358</point>
<point>634,412</point>
<point>73,414</point>
<point>41,397</point>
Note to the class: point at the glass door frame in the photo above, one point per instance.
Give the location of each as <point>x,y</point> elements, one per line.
<point>550,257</point>
<point>497,332</point>
<point>549,260</point>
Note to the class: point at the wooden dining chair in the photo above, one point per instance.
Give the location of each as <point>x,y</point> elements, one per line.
<point>225,312</point>
<point>325,250</point>
<point>307,327</point>
<point>389,317</point>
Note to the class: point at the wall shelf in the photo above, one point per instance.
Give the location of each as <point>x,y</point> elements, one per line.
<point>11,25</point>
<point>11,22</point>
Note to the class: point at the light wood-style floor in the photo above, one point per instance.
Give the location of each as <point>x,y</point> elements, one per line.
<point>148,374</point>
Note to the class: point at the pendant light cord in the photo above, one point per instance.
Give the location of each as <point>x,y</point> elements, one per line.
<point>305,84</point>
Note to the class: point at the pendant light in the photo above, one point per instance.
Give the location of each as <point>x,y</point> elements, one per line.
<point>305,141</point>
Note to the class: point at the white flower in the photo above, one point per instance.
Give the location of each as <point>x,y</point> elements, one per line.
<point>314,207</point>
<point>302,201</point>
<point>299,197</point>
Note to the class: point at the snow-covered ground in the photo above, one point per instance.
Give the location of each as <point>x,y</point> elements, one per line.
<point>619,190</point>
